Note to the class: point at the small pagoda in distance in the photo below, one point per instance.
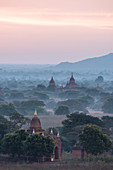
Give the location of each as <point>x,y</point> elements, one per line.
<point>52,84</point>
<point>70,86</point>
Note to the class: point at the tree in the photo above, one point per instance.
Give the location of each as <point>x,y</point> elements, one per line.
<point>76,119</point>
<point>17,120</point>
<point>73,125</point>
<point>6,109</point>
<point>41,87</point>
<point>2,101</point>
<point>69,94</point>
<point>73,104</point>
<point>32,104</point>
<point>87,100</point>
<point>40,96</point>
<point>3,119</point>
<point>16,95</point>
<point>37,145</point>
<point>94,141</point>
<point>108,121</point>
<point>51,104</point>
<point>3,131</point>
<point>92,92</point>
<point>12,143</point>
<point>26,107</point>
<point>62,110</point>
<point>100,79</point>
<point>4,126</point>
<point>70,138</point>
<point>108,106</point>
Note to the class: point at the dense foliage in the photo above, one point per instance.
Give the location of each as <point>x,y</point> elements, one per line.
<point>21,143</point>
<point>41,87</point>
<point>73,126</point>
<point>108,106</point>
<point>94,141</point>
<point>69,94</point>
<point>99,79</point>
<point>38,145</point>
<point>14,122</point>
<point>6,109</point>
<point>108,121</point>
<point>73,104</point>
<point>40,96</point>
<point>27,107</point>
<point>12,143</point>
<point>17,121</point>
<point>62,110</point>
<point>76,119</point>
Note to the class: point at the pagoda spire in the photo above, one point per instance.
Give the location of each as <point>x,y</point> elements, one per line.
<point>58,134</point>
<point>51,132</point>
<point>35,114</point>
<point>72,74</point>
<point>33,131</point>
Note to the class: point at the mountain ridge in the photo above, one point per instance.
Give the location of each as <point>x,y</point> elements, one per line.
<point>102,62</point>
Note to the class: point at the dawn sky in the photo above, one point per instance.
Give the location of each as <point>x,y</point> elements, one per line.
<point>50,32</point>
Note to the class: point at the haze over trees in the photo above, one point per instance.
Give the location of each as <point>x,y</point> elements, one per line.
<point>6,109</point>
<point>108,106</point>
<point>24,88</point>
<point>99,80</point>
<point>14,122</point>
<point>21,84</point>
<point>62,110</point>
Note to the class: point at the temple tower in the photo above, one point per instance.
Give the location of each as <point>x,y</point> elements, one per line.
<point>52,84</point>
<point>35,127</point>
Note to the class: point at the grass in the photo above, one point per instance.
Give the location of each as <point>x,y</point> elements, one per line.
<point>67,163</point>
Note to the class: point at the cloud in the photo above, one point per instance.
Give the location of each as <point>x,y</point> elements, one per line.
<point>49,17</point>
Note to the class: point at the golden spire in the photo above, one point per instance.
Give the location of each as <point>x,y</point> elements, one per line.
<point>35,114</point>
<point>51,132</point>
<point>58,134</point>
<point>33,131</point>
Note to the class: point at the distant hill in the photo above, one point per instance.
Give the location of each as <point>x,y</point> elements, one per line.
<point>97,63</point>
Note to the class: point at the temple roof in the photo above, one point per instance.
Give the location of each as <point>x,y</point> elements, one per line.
<point>51,81</point>
<point>72,78</point>
<point>35,122</point>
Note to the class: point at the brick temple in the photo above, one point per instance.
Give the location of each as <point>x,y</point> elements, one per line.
<point>35,127</point>
<point>70,86</point>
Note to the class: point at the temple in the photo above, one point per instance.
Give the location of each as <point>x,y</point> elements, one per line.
<point>52,84</point>
<point>70,86</point>
<point>78,152</point>
<point>35,127</point>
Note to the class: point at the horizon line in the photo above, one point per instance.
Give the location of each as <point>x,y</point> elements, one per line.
<point>56,63</point>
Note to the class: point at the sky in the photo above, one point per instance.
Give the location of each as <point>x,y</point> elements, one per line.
<point>50,31</point>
